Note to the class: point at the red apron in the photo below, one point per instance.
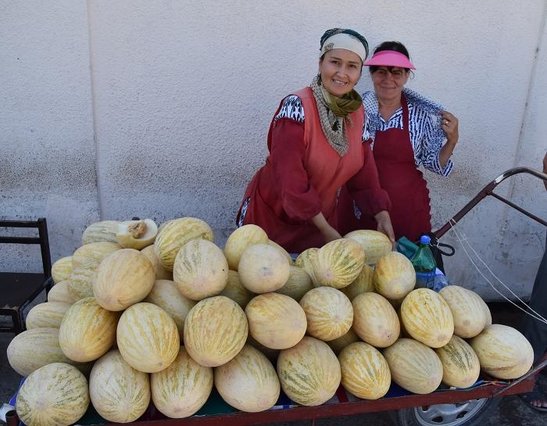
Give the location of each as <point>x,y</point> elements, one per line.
<point>410,210</point>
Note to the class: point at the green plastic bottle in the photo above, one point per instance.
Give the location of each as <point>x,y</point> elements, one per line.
<point>424,263</point>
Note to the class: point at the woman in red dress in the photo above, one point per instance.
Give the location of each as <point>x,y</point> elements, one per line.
<point>315,148</point>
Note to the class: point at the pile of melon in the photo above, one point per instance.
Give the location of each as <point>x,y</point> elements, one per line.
<point>143,314</point>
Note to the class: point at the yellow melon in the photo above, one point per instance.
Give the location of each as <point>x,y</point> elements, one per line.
<point>309,372</point>
<point>374,243</point>
<point>365,372</point>
<point>87,331</point>
<point>103,231</point>
<point>54,395</point>
<point>236,291</point>
<point>394,276</point>
<point>275,320</point>
<point>239,240</point>
<point>182,388</point>
<point>504,353</point>
<point>329,313</point>
<point>362,284</point>
<point>248,382</point>
<point>136,234</point>
<point>46,315</point>
<point>282,250</point>
<point>414,366</point>
<point>375,320</point>
<point>200,269</point>
<point>61,269</point>
<point>304,261</point>
<point>467,311</point>
<point>118,392</point>
<point>461,367</point>
<point>60,292</point>
<point>338,263</point>
<point>161,272</point>
<point>147,337</point>
<point>175,233</point>
<point>215,330</point>
<point>341,342</point>
<point>427,317</point>
<point>263,268</point>
<point>298,284</point>
<point>123,278</point>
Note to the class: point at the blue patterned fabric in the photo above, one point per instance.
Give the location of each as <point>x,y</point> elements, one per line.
<point>426,134</point>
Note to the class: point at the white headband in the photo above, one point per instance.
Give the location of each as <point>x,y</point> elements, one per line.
<point>344,41</point>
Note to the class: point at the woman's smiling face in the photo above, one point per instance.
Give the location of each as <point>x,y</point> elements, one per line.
<point>340,70</point>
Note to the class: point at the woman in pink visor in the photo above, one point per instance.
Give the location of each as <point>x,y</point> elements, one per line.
<point>405,131</point>
<point>315,147</point>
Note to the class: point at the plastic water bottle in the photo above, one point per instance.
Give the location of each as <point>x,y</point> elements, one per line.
<point>440,281</point>
<point>424,264</point>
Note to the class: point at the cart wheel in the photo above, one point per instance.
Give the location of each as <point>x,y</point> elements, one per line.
<point>466,413</point>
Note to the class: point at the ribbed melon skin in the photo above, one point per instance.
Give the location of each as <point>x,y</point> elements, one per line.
<point>239,240</point>
<point>338,263</point>
<point>337,345</point>
<point>275,320</point>
<point>329,313</point>
<point>87,331</point>
<point>46,315</point>
<point>298,284</point>
<point>103,231</point>
<point>215,330</point>
<point>61,269</point>
<point>309,372</point>
<point>182,388</point>
<point>123,278</point>
<point>304,261</point>
<point>461,367</point>
<point>85,262</point>
<point>54,395</point>
<point>414,366</point>
<point>375,244</point>
<point>365,371</point>
<point>375,320</point>
<point>147,337</point>
<point>172,235</point>
<point>200,269</point>
<point>236,291</point>
<point>248,382</point>
<point>60,292</point>
<point>118,392</point>
<point>503,351</point>
<point>362,284</point>
<point>161,272</point>
<point>427,317</point>
<point>467,310</point>
<point>394,276</point>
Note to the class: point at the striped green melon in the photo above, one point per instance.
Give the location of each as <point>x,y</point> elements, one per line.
<point>136,234</point>
<point>215,330</point>
<point>123,278</point>
<point>60,292</point>
<point>200,269</point>
<point>166,295</point>
<point>414,366</point>
<point>35,348</point>
<point>394,276</point>
<point>467,311</point>
<point>338,263</point>
<point>85,262</point>
<point>54,395</point>
<point>147,337</point>
<point>375,244</point>
<point>239,240</point>
<point>504,353</point>
<point>309,372</point>
<point>102,231</point>
<point>275,320</point>
<point>329,313</point>
<point>263,268</point>
<point>248,382</point>
<point>362,284</point>
<point>182,388</point>
<point>118,392</point>
<point>427,317</point>
<point>61,269</point>
<point>461,367</point>
<point>161,272</point>
<point>236,291</point>
<point>173,234</point>
<point>365,372</point>
<point>46,315</point>
<point>87,331</point>
<point>375,320</point>
<point>304,261</point>
<point>298,284</point>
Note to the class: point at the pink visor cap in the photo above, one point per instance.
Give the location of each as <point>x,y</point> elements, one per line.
<point>389,58</point>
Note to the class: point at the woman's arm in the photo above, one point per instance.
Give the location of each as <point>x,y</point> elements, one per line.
<point>449,125</point>
<point>328,232</point>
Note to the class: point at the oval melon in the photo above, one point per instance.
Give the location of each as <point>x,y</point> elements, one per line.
<point>61,269</point>
<point>161,272</point>
<point>394,276</point>
<point>467,311</point>
<point>239,240</point>
<point>461,367</point>
<point>60,292</point>
<point>103,231</point>
<point>263,268</point>
<point>362,284</point>
<point>298,284</point>
<point>374,243</point>
<point>46,315</point>
<point>338,263</point>
<point>375,320</point>
<point>236,291</point>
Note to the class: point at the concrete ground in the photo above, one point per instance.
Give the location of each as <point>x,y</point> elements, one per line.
<point>510,412</point>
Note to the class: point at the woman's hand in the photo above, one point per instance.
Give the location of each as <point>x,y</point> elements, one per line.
<point>384,224</point>
<point>328,232</point>
<point>449,124</point>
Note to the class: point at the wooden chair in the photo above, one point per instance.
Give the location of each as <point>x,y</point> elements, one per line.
<point>19,289</point>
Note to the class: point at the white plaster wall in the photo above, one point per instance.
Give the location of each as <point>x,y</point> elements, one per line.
<point>160,108</point>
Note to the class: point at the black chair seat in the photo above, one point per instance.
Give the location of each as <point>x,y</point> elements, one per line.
<point>17,288</point>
